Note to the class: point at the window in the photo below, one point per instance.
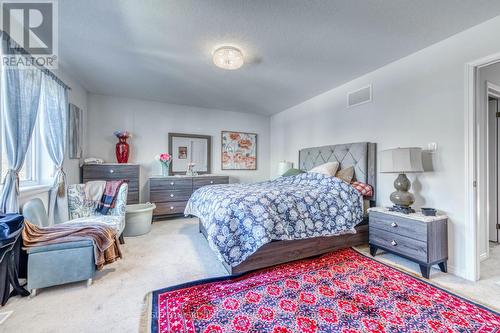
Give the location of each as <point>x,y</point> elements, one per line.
<point>29,174</point>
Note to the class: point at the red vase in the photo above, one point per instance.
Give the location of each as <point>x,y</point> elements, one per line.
<point>122,150</point>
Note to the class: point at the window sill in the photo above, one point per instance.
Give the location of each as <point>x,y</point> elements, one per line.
<point>33,189</point>
<point>29,190</point>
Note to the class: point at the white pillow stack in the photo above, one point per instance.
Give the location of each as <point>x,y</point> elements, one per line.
<point>328,169</point>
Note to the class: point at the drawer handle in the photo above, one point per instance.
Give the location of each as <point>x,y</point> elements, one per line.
<point>393,243</point>
<point>172,183</point>
<point>171,195</point>
<point>111,171</point>
<point>394,224</point>
<point>171,207</point>
<point>211,182</point>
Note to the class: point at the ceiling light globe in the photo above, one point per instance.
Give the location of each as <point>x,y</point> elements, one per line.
<point>228,57</point>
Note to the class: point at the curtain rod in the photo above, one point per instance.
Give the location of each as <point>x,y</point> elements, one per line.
<point>44,69</point>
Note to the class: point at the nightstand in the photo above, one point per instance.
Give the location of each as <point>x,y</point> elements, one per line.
<point>419,238</point>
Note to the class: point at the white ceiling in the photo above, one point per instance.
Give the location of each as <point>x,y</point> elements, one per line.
<point>296,49</point>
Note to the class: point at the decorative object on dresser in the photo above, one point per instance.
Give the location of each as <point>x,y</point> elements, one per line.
<point>239,151</point>
<point>122,148</point>
<point>401,161</point>
<point>113,171</point>
<point>420,238</point>
<point>164,159</point>
<point>170,194</point>
<point>189,148</point>
<point>74,132</point>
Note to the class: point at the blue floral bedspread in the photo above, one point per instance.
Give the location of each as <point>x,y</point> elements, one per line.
<point>240,218</point>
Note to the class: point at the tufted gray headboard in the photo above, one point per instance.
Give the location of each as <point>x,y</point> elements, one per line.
<point>361,155</point>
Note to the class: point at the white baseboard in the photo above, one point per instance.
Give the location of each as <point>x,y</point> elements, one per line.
<point>483,256</point>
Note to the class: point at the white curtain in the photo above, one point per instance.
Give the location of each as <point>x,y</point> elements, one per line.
<point>20,94</point>
<point>53,120</point>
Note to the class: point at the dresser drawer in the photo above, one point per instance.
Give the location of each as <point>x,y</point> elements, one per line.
<point>94,172</point>
<point>167,208</point>
<point>399,225</point>
<point>171,184</point>
<point>204,181</point>
<point>170,195</point>
<point>409,247</point>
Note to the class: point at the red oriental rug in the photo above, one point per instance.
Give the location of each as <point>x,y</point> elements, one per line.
<point>342,291</point>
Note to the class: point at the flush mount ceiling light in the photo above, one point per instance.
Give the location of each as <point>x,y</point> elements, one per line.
<point>228,57</point>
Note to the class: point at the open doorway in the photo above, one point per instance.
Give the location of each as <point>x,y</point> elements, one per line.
<point>489,237</point>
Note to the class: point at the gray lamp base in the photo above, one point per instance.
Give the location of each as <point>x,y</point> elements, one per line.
<point>401,198</point>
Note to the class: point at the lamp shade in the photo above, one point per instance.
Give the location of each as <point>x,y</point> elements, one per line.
<point>401,160</point>
<point>284,166</point>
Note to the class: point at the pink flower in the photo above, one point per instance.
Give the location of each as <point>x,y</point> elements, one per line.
<point>165,157</point>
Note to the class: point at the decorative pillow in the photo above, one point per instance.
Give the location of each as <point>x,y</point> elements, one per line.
<point>365,189</point>
<point>293,172</point>
<point>328,169</point>
<point>346,174</point>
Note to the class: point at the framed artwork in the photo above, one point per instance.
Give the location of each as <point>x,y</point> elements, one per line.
<point>74,129</point>
<point>239,151</point>
<point>182,152</point>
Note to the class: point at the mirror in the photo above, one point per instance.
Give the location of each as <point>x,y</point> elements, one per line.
<point>189,148</point>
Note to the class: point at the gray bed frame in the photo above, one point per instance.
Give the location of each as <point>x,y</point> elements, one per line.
<point>361,155</point>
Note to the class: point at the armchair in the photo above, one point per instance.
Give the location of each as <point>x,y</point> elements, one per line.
<point>61,263</point>
<point>82,210</point>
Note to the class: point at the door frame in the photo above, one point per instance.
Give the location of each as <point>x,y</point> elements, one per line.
<point>493,90</point>
<point>476,194</point>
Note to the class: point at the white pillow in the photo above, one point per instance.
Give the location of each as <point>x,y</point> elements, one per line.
<point>328,169</point>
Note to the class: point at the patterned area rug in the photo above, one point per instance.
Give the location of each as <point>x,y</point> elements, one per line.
<point>343,291</point>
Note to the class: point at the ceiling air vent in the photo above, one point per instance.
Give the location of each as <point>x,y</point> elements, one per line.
<point>358,97</point>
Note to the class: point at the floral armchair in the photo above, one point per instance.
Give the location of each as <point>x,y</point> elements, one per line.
<point>82,210</point>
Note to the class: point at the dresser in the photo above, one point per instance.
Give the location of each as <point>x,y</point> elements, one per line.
<point>422,239</point>
<point>115,171</point>
<point>170,194</point>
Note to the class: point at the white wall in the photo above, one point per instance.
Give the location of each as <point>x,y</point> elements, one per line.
<point>150,122</point>
<point>416,100</point>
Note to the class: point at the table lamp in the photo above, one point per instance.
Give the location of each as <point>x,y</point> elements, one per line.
<point>284,166</point>
<point>401,161</point>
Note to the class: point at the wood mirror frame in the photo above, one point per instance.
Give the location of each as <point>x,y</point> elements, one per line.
<point>171,137</point>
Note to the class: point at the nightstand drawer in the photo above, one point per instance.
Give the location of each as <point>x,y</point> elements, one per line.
<point>409,247</point>
<point>399,225</point>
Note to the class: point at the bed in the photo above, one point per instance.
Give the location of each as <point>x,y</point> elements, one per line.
<point>293,217</point>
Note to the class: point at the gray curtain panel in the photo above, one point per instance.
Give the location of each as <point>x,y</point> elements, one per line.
<point>21,94</point>
<point>53,117</point>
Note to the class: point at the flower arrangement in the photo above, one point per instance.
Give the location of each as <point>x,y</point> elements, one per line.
<point>164,159</point>
<point>122,134</point>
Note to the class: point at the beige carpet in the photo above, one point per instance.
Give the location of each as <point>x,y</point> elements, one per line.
<point>173,253</point>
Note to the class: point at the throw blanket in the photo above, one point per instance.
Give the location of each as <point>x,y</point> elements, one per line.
<point>106,248</point>
<point>240,218</point>
<point>94,190</point>
<point>109,196</point>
